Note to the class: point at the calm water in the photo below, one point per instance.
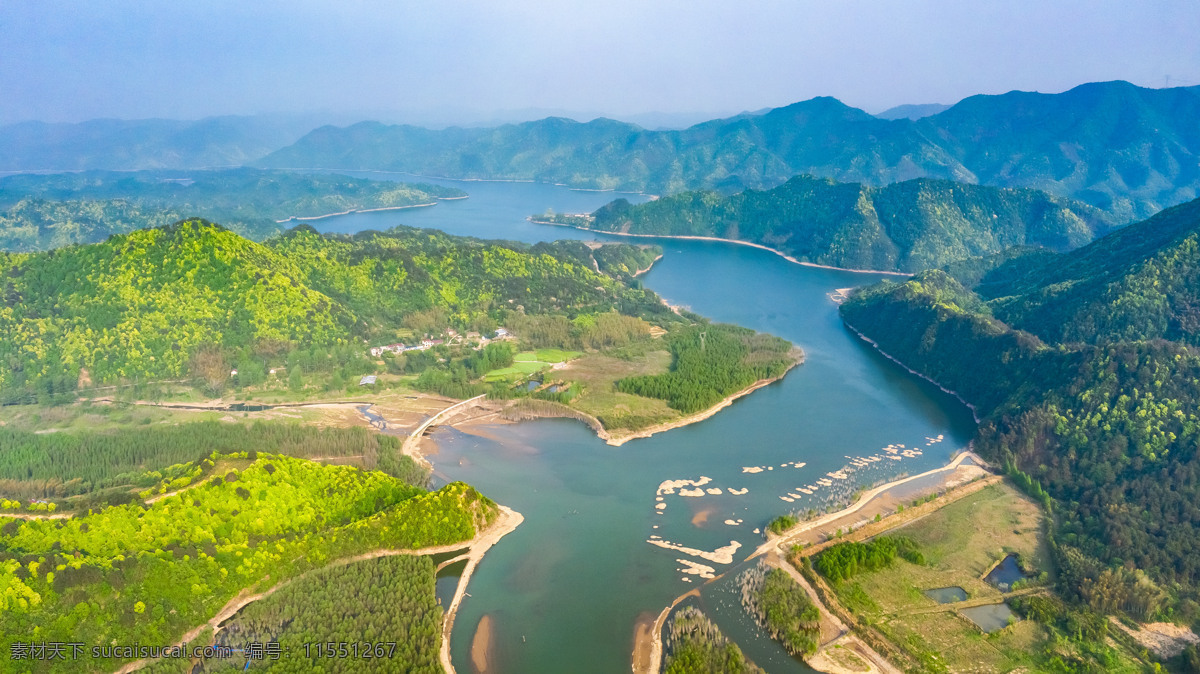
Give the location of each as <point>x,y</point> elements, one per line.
<point>566,588</point>
<point>1005,574</point>
<point>990,617</point>
<point>947,595</point>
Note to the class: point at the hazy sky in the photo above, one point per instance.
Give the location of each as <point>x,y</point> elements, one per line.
<point>71,60</point>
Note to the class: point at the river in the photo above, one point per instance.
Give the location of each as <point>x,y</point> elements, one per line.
<point>565,589</point>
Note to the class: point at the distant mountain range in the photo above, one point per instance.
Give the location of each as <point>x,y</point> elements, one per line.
<point>913,112</point>
<point>908,226</point>
<point>1125,149</point>
<point>145,143</point>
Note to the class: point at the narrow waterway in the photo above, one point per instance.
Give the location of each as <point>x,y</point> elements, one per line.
<point>565,589</point>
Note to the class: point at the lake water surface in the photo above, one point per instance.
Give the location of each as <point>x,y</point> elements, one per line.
<point>565,589</point>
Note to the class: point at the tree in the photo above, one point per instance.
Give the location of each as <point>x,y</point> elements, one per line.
<point>210,366</point>
<point>295,379</point>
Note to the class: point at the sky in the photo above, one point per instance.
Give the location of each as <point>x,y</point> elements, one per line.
<point>473,60</point>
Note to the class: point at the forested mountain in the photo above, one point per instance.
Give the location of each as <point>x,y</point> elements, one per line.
<point>142,306</point>
<point>1136,284</point>
<point>1123,148</point>
<point>908,226</point>
<point>145,143</point>
<point>1102,411</point>
<point>1129,150</point>
<point>48,211</point>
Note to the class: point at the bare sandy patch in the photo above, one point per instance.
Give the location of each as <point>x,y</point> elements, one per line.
<point>481,645</point>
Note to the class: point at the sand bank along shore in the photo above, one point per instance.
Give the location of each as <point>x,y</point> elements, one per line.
<point>617,439</point>
<point>308,218</point>
<point>614,438</point>
<point>841,651</point>
<point>648,645</point>
<point>739,242</point>
<point>778,542</point>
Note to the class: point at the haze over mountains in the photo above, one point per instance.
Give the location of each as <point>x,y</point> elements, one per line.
<point>1129,150</point>
<point>118,144</point>
<point>1125,149</point>
<point>912,111</point>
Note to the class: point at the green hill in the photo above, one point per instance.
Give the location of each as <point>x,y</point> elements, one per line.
<point>905,226</point>
<point>1125,149</point>
<point>1136,284</point>
<point>141,306</point>
<point>1098,404</point>
<point>48,211</point>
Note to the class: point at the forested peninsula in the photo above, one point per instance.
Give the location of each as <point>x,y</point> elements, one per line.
<point>903,227</point>
<point>40,212</point>
<point>561,328</point>
<point>1082,367</point>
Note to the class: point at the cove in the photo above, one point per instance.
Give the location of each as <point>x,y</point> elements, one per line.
<point>564,591</point>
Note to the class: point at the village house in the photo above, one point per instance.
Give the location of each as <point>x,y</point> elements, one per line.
<point>380,350</point>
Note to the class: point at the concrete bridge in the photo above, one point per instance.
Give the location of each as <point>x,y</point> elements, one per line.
<point>410,443</point>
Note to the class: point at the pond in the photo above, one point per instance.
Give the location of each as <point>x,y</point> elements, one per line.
<point>990,617</point>
<point>1005,574</point>
<point>946,595</point>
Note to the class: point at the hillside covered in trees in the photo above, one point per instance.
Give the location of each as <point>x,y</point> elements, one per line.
<point>384,610</point>
<point>167,302</point>
<point>39,212</point>
<point>193,304</point>
<point>78,470</point>
<point>1083,370</point>
<point>1125,149</point>
<point>906,226</point>
<point>147,573</point>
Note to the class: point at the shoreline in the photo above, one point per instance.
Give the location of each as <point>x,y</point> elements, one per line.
<point>931,380</point>
<point>772,553</point>
<point>506,522</point>
<point>352,211</point>
<point>457,180</point>
<point>651,266</point>
<point>653,661</point>
<point>774,542</point>
<point>739,242</point>
<point>412,448</point>
<point>618,440</point>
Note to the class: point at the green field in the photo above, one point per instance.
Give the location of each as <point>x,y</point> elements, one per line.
<point>530,362</point>
<point>961,543</point>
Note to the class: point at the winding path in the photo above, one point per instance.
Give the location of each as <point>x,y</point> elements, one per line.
<point>506,521</point>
